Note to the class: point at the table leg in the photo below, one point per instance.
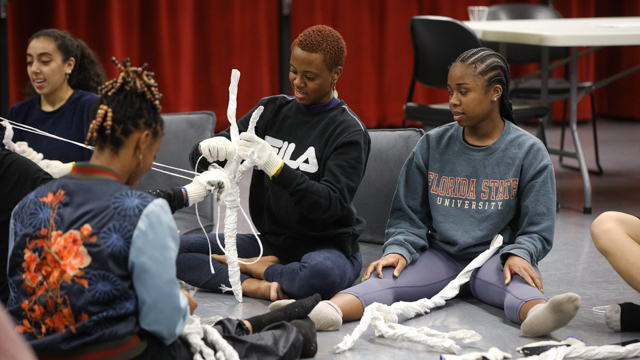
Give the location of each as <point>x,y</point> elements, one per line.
<point>544,83</point>
<point>573,124</point>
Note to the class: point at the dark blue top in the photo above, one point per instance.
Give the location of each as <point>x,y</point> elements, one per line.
<point>320,107</point>
<point>70,121</point>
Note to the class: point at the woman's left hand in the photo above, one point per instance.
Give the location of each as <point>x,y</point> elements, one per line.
<point>517,265</point>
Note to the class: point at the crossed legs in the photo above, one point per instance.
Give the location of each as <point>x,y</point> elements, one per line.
<point>323,271</point>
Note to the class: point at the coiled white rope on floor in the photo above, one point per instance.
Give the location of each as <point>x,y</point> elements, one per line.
<point>384,318</point>
<point>607,352</point>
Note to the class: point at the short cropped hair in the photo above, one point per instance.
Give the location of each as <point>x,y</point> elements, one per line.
<point>325,40</point>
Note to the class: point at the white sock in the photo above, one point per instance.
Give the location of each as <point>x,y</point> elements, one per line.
<point>326,315</point>
<point>545,318</point>
<point>279,303</point>
<point>612,317</point>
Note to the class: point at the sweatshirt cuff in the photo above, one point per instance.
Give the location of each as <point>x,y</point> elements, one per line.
<point>506,252</point>
<point>286,178</point>
<point>397,249</point>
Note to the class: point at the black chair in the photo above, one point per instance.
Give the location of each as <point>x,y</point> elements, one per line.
<point>437,43</point>
<point>181,132</point>
<point>389,150</point>
<point>530,89</point>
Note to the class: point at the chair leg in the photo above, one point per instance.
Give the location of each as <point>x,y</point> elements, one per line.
<point>563,124</point>
<point>541,133</point>
<point>595,137</point>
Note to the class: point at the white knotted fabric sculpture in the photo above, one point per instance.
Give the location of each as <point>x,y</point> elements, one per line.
<point>384,318</point>
<point>235,170</point>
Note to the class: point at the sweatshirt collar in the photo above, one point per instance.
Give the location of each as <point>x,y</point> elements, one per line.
<point>482,150</point>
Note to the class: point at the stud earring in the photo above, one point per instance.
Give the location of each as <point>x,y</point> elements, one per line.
<point>494,99</point>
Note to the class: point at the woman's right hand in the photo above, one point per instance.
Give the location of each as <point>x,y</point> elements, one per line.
<point>396,260</point>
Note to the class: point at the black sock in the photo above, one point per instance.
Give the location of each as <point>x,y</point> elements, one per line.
<point>307,329</point>
<point>296,310</point>
<point>629,316</point>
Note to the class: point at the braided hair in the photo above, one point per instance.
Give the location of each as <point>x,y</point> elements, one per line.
<point>324,40</point>
<point>493,68</point>
<point>87,73</point>
<point>127,103</point>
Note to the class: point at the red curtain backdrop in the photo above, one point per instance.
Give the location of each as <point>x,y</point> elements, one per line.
<point>192,45</point>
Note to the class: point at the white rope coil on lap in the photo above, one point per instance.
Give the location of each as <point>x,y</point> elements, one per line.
<point>384,319</point>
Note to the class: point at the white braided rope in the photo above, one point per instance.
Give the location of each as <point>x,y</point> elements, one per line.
<point>8,136</point>
<point>384,319</point>
<point>607,352</point>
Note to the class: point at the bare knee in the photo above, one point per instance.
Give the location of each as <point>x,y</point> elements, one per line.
<point>604,228</point>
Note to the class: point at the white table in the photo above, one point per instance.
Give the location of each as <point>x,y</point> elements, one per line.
<point>572,33</point>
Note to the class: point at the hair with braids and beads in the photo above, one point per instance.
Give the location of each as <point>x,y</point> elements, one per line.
<point>325,40</point>
<point>127,103</point>
<point>87,73</point>
<point>493,68</point>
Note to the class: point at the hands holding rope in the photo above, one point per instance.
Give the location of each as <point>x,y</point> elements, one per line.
<point>215,180</point>
<point>219,148</point>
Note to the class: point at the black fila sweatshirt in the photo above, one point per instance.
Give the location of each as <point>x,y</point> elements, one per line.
<point>308,206</point>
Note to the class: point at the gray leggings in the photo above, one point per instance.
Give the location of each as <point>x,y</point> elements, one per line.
<point>433,270</point>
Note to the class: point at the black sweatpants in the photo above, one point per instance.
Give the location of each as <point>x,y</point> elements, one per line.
<point>277,341</point>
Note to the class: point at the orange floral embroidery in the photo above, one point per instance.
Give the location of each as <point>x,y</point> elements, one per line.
<point>50,260</point>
